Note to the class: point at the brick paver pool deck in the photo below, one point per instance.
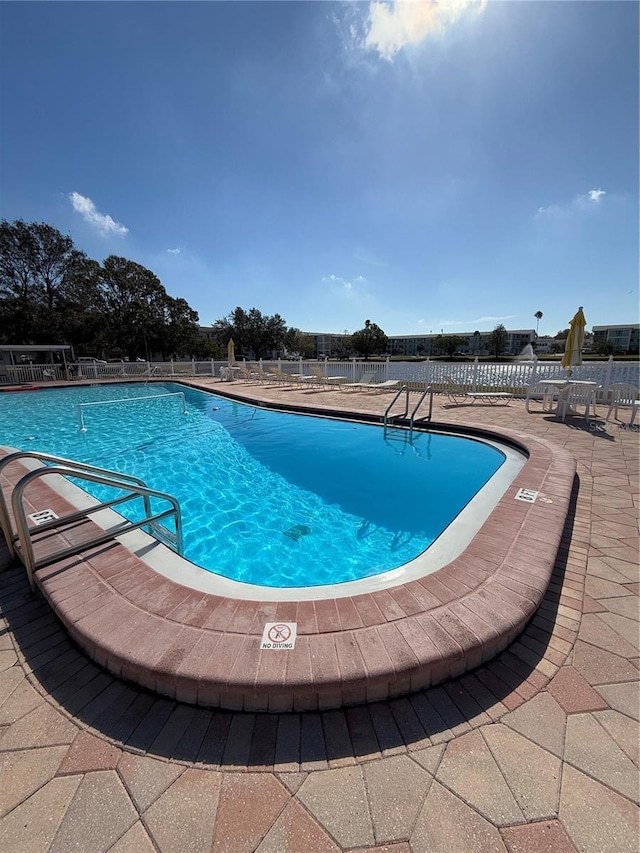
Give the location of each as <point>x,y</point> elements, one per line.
<point>536,750</point>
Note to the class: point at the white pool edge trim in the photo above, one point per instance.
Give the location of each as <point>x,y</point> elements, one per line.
<point>450,544</point>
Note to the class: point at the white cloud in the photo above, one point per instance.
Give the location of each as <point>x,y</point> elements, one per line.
<point>585,201</point>
<point>391,26</point>
<point>345,285</point>
<point>100,221</point>
<point>493,319</point>
<point>478,321</point>
<point>365,257</point>
<point>174,251</point>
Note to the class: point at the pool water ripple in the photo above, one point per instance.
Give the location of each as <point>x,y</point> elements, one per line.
<point>266,497</point>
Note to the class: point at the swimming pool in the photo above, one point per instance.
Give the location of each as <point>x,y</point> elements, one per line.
<point>151,617</point>
<point>269,498</point>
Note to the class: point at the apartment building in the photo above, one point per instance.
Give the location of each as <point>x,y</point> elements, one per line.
<point>624,338</point>
<point>475,343</point>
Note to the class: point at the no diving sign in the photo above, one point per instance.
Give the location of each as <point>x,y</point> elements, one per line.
<point>279,635</point>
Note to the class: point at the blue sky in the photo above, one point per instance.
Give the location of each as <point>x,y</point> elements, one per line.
<point>427,166</point>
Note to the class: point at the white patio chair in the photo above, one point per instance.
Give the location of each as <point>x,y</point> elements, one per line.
<point>574,396</point>
<point>626,396</point>
<point>547,395</point>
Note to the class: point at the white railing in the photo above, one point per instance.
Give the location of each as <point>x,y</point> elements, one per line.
<point>20,374</point>
<point>475,375</point>
<point>515,376</point>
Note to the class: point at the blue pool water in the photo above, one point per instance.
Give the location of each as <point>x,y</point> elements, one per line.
<point>267,497</point>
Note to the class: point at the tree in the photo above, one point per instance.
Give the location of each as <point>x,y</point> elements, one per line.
<point>181,328</point>
<point>50,292</point>
<point>79,314</point>
<point>603,347</point>
<point>538,315</point>
<point>18,289</point>
<point>476,341</point>
<point>498,340</point>
<point>252,331</point>
<point>342,347</point>
<point>135,302</point>
<point>296,341</point>
<point>449,343</point>
<point>369,340</point>
<point>41,275</point>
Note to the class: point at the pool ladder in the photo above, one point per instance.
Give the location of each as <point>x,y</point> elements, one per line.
<point>20,542</point>
<point>388,419</point>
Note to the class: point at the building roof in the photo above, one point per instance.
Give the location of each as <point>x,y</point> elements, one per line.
<point>34,347</point>
<point>618,326</point>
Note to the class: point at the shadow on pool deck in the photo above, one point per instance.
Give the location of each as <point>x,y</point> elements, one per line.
<point>136,719</point>
<point>559,771</point>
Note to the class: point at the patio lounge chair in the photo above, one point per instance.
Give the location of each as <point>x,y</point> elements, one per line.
<point>457,394</point>
<point>290,378</point>
<point>260,374</point>
<point>323,379</point>
<point>366,380</point>
<point>387,385</point>
<point>625,395</point>
<point>369,381</point>
<point>240,370</point>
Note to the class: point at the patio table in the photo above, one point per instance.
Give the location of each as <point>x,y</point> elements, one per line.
<point>560,388</point>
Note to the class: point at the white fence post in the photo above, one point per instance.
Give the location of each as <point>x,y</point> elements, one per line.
<point>474,381</point>
<point>607,375</point>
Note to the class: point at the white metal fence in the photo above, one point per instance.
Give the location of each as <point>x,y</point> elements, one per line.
<point>475,376</point>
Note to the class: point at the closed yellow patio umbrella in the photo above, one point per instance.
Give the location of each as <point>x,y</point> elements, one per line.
<point>231,353</point>
<point>572,356</point>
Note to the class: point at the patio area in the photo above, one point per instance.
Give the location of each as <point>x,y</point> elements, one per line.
<point>536,750</point>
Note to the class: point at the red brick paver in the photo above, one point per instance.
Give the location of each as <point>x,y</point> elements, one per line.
<point>566,759</point>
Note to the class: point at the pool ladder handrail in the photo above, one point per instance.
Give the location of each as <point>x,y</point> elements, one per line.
<point>82,471</point>
<point>387,421</point>
<point>5,521</point>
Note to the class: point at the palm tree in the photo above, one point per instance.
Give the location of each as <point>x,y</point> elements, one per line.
<point>538,315</point>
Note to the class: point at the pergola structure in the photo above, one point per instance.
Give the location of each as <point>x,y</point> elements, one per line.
<point>19,350</point>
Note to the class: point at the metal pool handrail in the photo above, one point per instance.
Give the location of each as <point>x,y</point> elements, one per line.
<point>428,390</point>
<point>150,521</point>
<point>81,470</point>
<point>5,521</point>
<point>80,406</point>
